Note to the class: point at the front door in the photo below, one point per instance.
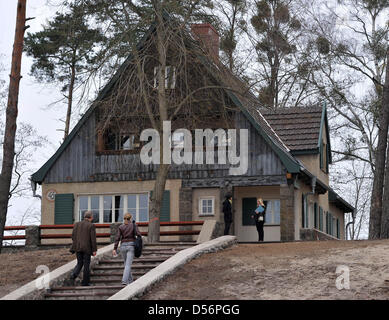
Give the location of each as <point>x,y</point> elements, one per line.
<point>247,232</point>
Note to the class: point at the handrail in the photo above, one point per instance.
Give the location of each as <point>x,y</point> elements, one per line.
<point>105,225</point>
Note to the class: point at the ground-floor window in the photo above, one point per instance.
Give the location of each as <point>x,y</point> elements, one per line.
<point>272,212</point>
<point>207,206</point>
<point>111,208</point>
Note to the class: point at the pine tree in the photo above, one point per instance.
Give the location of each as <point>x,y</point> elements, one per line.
<point>64,52</point>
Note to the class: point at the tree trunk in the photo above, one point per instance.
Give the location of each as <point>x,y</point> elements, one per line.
<point>156,203</point>
<point>385,203</point>
<point>11,116</point>
<point>163,170</point>
<point>70,102</point>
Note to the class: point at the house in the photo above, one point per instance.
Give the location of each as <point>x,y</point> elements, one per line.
<point>288,166</point>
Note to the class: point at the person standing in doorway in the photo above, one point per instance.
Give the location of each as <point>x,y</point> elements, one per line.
<point>84,245</point>
<point>227,210</point>
<point>259,216</point>
<point>126,235</point>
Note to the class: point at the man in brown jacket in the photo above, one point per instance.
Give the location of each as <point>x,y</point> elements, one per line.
<point>84,245</point>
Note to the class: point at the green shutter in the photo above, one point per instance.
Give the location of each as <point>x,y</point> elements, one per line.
<point>321,155</point>
<point>337,229</point>
<point>248,207</point>
<point>321,219</point>
<point>331,225</point>
<point>315,215</point>
<point>165,207</point>
<point>327,223</point>
<point>328,156</point>
<point>64,208</point>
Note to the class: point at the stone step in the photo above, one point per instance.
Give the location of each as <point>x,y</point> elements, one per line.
<point>106,281</point>
<point>85,288</point>
<point>79,295</point>
<point>136,260</point>
<point>121,267</point>
<point>105,274</point>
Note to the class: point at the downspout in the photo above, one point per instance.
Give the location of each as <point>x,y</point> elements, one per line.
<point>33,187</point>
<point>351,222</point>
<point>313,184</point>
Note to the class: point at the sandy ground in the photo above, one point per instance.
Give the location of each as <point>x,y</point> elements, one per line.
<point>299,270</point>
<point>18,268</point>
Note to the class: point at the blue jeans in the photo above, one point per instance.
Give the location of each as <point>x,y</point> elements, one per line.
<point>127,252</point>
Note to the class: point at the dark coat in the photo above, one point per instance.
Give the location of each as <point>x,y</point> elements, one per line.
<point>84,237</point>
<point>227,210</point>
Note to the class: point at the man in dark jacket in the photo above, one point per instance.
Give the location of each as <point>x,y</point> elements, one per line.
<point>227,210</point>
<point>84,245</point>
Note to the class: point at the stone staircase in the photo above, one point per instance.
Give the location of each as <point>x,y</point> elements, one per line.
<point>106,276</point>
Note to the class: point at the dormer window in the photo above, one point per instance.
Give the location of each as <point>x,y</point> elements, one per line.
<point>170,77</point>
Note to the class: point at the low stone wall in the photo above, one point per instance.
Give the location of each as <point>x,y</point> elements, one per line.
<point>32,291</point>
<point>211,229</point>
<point>314,234</point>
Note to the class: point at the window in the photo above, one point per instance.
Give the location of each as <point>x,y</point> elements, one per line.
<point>316,216</point>
<point>119,207</point>
<point>83,206</point>
<point>95,208</point>
<point>177,140</point>
<point>304,212</point>
<point>107,204</point>
<point>272,212</point>
<point>114,140</point>
<point>324,157</point>
<point>170,77</point>
<point>207,206</point>
<point>111,208</point>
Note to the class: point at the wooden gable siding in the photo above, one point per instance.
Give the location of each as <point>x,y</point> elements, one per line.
<point>79,162</point>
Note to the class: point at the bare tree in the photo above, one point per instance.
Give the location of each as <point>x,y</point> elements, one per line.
<point>164,81</point>
<point>11,116</point>
<point>352,65</point>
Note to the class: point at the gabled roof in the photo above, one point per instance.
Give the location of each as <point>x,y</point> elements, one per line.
<point>243,100</point>
<point>242,97</point>
<point>298,127</point>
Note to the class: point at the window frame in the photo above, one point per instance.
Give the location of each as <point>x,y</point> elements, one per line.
<point>77,215</point>
<point>167,78</point>
<point>272,223</point>
<point>200,208</point>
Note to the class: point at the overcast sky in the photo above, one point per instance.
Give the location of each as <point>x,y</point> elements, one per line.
<point>34,98</point>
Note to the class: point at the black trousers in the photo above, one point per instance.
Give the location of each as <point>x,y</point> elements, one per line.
<point>227,228</point>
<point>259,225</point>
<point>83,260</point>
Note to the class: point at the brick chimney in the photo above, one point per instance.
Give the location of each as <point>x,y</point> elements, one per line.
<point>208,35</point>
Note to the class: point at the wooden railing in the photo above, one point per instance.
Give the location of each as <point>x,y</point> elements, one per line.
<point>104,226</point>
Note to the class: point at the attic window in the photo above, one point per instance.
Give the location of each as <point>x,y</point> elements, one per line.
<point>118,141</point>
<point>324,153</point>
<point>170,77</point>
